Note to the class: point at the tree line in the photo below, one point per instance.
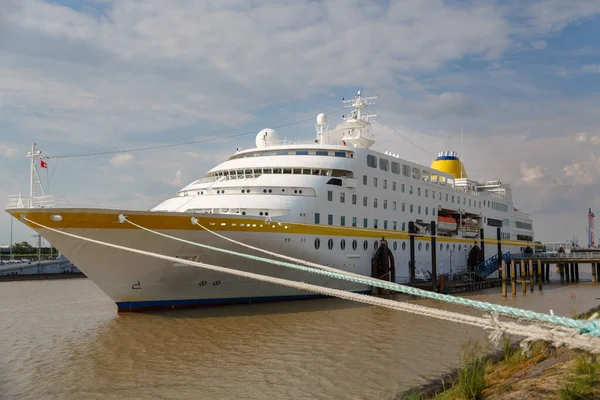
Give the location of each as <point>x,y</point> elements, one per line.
<point>25,248</point>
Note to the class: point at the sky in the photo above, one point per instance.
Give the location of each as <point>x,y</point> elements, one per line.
<point>518,81</point>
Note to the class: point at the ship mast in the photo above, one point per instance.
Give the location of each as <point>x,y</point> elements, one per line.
<point>357,126</point>
<point>34,177</point>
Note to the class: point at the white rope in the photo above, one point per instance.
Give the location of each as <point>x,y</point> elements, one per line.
<point>559,336</point>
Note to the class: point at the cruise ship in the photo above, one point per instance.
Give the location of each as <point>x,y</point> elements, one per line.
<point>328,201</point>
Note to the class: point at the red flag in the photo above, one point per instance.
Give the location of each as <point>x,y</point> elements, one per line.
<point>343,141</point>
<point>43,164</point>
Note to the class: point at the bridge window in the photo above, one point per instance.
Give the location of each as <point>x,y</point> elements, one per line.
<point>322,153</point>
<point>301,152</point>
<point>371,161</point>
<point>384,164</point>
<point>317,218</point>
<point>416,173</point>
<point>406,170</point>
<point>395,167</point>
<point>340,154</point>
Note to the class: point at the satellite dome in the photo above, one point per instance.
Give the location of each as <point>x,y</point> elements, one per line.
<point>267,137</point>
<point>321,119</point>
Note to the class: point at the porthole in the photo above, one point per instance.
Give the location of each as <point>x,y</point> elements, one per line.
<point>260,213</point>
<point>420,246</point>
<point>441,247</point>
<point>300,191</point>
<point>295,191</point>
<point>243,191</point>
<point>447,246</point>
<point>317,243</point>
<point>247,190</point>
<point>201,193</point>
<point>375,245</point>
<point>243,212</point>
<point>403,246</point>
<point>270,191</point>
<point>426,246</point>
<point>343,244</point>
<point>283,190</point>
<point>395,246</point>
<point>330,244</point>
<point>459,247</point>
<point>266,213</point>
<point>366,245</point>
<point>354,245</point>
<point>264,190</point>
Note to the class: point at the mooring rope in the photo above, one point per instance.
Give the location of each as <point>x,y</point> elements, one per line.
<point>589,327</point>
<point>558,336</point>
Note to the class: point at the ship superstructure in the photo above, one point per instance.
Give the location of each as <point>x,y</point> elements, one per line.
<point>328,201</point>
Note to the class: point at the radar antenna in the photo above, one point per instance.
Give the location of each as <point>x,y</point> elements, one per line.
<point>357,126</point>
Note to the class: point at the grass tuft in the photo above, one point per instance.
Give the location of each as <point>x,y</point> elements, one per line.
<point>585,384</point>
<point>471,376</point>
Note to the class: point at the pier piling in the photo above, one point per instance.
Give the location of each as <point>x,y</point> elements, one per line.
<point>513,278</point>
<point>577,272</point>
<point>594,273</point>
<point>531,275</point>
<point>503,278</point>
<point>523,277</point>
<point>540,274</point>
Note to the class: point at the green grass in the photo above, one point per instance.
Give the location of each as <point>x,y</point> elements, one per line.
<point>471,376</point>
<point>585,384</point>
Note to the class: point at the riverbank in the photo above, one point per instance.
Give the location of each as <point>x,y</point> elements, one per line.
<point>37,277</point>
<point>543,373</point>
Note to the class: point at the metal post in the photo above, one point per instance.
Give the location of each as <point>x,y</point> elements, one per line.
<point>503,278</point>
<point>548,273</point>
<point>577,272</point>
<point>433,257</point>
<point>593,272</point>
<point>411,263</point>
<point>482,244</point>
<point>523,277</point>
<point>540,274</point>
<point>498,237</point>
<point>561,268</point>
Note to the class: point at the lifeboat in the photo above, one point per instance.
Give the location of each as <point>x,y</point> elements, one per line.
<point>446,224</point>
<point>470,228</point>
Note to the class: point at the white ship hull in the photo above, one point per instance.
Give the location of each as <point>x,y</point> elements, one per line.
<point>138,283</point>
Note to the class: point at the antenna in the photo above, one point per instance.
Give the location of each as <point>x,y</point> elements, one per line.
<point>34,178</point>
<point>461,151</point>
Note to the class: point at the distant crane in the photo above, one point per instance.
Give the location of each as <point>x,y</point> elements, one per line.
<point>590,229</point>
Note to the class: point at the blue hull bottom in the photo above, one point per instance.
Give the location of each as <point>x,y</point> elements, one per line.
<point>157,305</point>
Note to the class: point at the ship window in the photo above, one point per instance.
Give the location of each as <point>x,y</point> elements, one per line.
<point>306,171</point>
<point>354,244</point>
<point>375,202</point>
<point>420,246</point>
<point>395,225</point>
<point>301,152</point>
<point>416,173</point>
<point>342,220</point>
<point>426,246</point>
<point>385,204</point>
<point>371,161</point>
<point>419,210</point>
<point>282,153</point>
<point>432,211</point>
<point>330,244</point>
<point>287,170</point>
<point>375,223</point>
<point>297,171</point>
<point>426,210</point>
<point>426,193</point>
<point>447,246</point>
<point>446,196</point>
<point>324,172</point>
<point>342,244</point>
<point>453,198</point>
<point>395,246</point>
<point>403,228</point>
<point>354,222</point>
<point>434,178</point>
<point>330,219</point>
<point>354,199</point>
<point>365,223</point>
<point>365,201</point>
<point>402,188</point>
<point>322,153</point>
<point>315,172</point>
<point>403,207</point>
<point>459,247</point>
<point>406,170</point>
<point>385,224</point>
<point>394,206</point>
<point>277,170</point>
<point>410,189</point>
<point>374,181</point>
<point>425,176</point>
<point>364,180</point>
<point>384,164</point>
<point>317,218</point>
<point>394,186</point>
<point>317,244</point>
<point>340,154</point>
<point>441,247</point>
<point>375,245</point>
<point>365,245</point>
<point>418,191</point>
<point>411,208</point>
<point>433,194</point>
<point>335,181</point>
<point>342,197</point>
<point>395,167</point>
<point>385,183</point>
<point>403,246</point>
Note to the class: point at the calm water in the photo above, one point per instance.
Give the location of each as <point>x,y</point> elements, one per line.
<point>64,340</point>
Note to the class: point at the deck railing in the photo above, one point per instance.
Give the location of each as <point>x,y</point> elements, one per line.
<point>19,201</point>
<point>535,256</point>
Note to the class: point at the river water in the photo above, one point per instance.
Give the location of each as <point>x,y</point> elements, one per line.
<point>63,339</point>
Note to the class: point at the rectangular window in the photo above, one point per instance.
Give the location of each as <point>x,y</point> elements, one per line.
<point>302,152</point>
<point>322,153</point>
<point>385,183</point>
<point>418,191</point>
<point>406,170</point>
<point>375,223</point>
<point>402,187</point>
<point>419,210</point>
<point>394,206</point>
<point>365,201</point>
<point>404,226</point>
<point>365,223</point>
<point>469,202</point>
<point>330,219</point>
<point>371,161</point>
<point>342,197</point>
<point>411,208</point>
<point>375,203</point>
<point>384,164</point>
<point>329,195</point>
<point>394,186</point>
<point>354,222</point>
<point>340,154</point>
<point>426,192</point>
<point>433,194</point>
<point>354,199</point>
<point>374,181</point>
<point>385,224</point>
<point>395,167</point>
<point>394,225</point>
<point>317,218</point>
<point>426,210</point>
<point>446,196</point>
<point>410,190</point>
<point>342,221</point>
<point>403,207</point>
<point>385,204</point>
<point>432,211</point>
<point>364,180</point>
<point>453,198</point>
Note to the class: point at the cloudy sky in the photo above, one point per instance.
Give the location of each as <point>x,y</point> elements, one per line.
<point>520,79</point>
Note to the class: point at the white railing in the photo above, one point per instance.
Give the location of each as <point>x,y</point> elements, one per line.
<point>19,201</point>
<point>592,255</point>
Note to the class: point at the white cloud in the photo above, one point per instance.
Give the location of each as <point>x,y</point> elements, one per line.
<point>579,174</point>
<point>8,151</point>
<point>531,174</point>
<point>178,180</point>
<point>581,137</point>
<point>539,44</point>
<point>595,140</point>
<point>122,160</point>
<point>591,68</point>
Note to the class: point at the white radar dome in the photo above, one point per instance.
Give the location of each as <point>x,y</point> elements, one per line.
<point>267,137</point>
<point>321,119</point>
